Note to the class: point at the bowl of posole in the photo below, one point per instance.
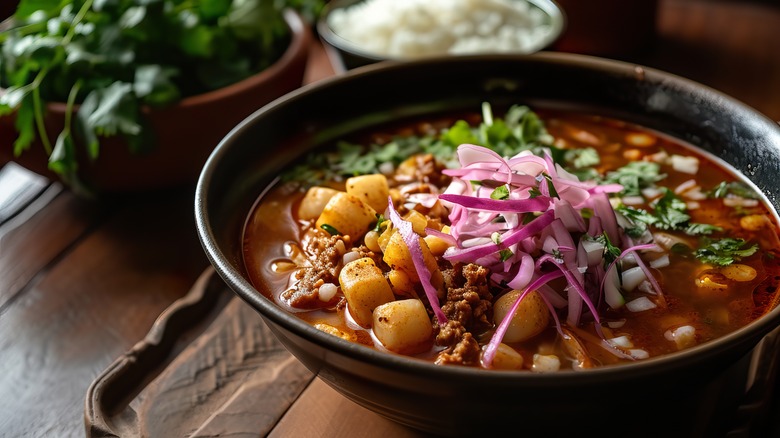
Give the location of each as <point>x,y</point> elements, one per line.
<point>360,32</point>
<point>614,380</point>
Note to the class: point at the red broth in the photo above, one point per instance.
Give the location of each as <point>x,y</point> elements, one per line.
<point>700,301</point>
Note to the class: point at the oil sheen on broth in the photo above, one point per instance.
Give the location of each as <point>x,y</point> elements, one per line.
<point>641,247</point>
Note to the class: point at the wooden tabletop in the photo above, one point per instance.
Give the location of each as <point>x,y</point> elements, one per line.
<point>81,282</point>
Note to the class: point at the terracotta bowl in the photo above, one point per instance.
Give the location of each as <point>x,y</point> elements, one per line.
<point>185,133</point>
<point>694,392</point>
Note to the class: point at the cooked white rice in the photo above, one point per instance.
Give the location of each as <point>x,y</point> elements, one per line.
<point>418,28</point>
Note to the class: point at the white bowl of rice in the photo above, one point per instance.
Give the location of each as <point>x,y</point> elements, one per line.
<point>360,32</point>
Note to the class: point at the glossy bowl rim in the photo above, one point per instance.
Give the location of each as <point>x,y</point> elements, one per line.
<point>568,378</point>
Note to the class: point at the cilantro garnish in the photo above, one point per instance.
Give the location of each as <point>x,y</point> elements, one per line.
<point>115,57</point>
<point>669,213</point>
<point>635,176</point>
<point>330,229</point>
<point>724,251</point>
<point>735,188</point>
<point>500,192</point>
<point>611,252</point>
<point>519,130</point>
<point>381,223</point>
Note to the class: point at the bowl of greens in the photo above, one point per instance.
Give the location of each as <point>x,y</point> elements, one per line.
<point>129,96</point>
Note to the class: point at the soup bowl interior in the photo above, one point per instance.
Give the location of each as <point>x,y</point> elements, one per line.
<point>663,393</point>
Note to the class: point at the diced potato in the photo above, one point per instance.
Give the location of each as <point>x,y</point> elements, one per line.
<point>436,244</point>
<point>507,358</point>
<point>640,139</point>
<point>403,326</point>
<point>754,222</point>
<point>327,328</point>
<point>531,318</point>
<point>348,215</point>
<point>418,220</point>
<point>400,281</point>
<point>365,288</point>
<point>371,189</point>
<point>314,202</point>
<point>739,272</point>
<point>397,255</point>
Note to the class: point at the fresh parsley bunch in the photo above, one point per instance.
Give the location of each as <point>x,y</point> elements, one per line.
<point>115,57</point>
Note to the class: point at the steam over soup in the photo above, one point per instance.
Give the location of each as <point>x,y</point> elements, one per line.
<point>533,241</point>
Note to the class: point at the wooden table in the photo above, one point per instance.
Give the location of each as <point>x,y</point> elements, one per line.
<point>82,282</point>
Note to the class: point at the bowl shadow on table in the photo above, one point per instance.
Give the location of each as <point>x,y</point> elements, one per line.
<point>692,393</point>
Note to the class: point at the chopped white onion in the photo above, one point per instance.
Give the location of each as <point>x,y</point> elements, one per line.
<point>646,288</point>
<point>638,353</point>
<point>738,201</point>
<point>616,324</point>
<point>633,200</point>
<point>685,186</point>
<point>685,164</point>
<point>651,192</point>
<point>546,363</point>
<point>621,341</point>
<point>660,262</point>
<point>692,205</point>
<point>594,250</point>
<point>684,336</point>
<point>632,277</point>
<point>640,304</point>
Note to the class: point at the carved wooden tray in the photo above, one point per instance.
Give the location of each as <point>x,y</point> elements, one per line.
<point>208,367</point>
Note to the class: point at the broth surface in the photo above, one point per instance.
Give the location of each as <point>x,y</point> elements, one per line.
<point>700,300</point>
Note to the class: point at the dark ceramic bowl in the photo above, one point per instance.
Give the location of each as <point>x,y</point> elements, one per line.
<point>346,55</point>
<point>684,394</point>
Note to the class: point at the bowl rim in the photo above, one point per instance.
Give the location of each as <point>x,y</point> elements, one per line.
<point>753,331</point>
<point>334,41</point>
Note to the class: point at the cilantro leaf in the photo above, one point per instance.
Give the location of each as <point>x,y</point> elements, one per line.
<point>724,251</point>
<point>635,176</point>
<point>735,188</point>
<point>669,213</point>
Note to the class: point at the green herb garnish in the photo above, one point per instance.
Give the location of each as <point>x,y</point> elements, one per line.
<point>330,229</point>
<point>635,176</point>
<point>116,57</point>
<point>669,213</point>
<point>724,251</point>
<point>735,188</point>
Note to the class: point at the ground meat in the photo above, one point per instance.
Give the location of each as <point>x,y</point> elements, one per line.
<point>377,258</point>
<point>423,168</point>
<point>465,352</point>
<point>325,254</point>
<point>467,306</point>
<point>469,300</point>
